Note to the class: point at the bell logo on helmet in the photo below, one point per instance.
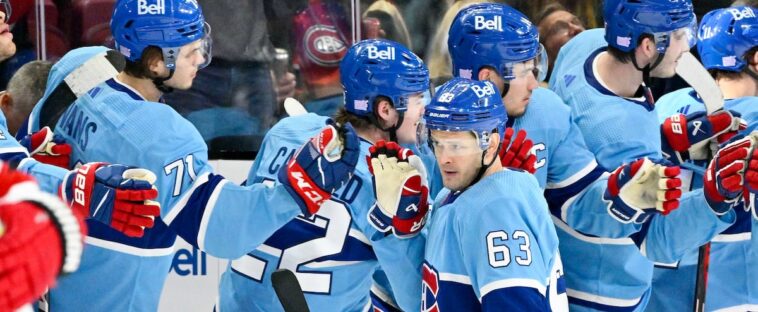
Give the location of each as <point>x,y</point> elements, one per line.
<point>745,13</point>
<point>482,23</point>
<point>483,91</point>
<point>375,53</point>
<point>159,7</point>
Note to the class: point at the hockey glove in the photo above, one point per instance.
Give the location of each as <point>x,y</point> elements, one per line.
<point>751,178</point>
<point>47,148</point>
<point>724,179</point>
<point>514,153</point>
<point>688,137</point>
<point>637,190</point>
<point>116,195</point>
<point>321,166</point>
<point>400,189</point>
<point>40,238</point>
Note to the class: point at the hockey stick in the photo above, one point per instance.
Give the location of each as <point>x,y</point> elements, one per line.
<point>690,69</point>
<point>288,291</point>
<point>293,107</point>
<point>79,81</point>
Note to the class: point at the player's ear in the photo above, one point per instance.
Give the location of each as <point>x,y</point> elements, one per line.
<point>647,47</point>
<point>6,102</point>
<point>492,148</point>
<point>484,74</point>
<point>157,66</point>
<point>385,112</point>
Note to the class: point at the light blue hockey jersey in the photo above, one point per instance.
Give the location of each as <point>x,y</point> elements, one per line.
<point>334,253</point>
<point>615,274</point>
<point>493,250</point>
<point>113,123</point>
<point>733,270</point>
<point>48,177</point>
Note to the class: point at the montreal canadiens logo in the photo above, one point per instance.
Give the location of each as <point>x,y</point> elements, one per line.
<point>429,287</point>
<point>323,45</point>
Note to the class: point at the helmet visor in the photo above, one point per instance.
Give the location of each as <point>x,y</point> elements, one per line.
<point>536,67</point>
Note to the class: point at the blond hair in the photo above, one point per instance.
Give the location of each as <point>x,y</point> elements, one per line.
<point>437,56</point>
<point>400,34</point>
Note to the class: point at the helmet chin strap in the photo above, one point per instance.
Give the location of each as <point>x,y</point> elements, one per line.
<point>649,67</point>
<point>159,82</point>
<point>484,167</point>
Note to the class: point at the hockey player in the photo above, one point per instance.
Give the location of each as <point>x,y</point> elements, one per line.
<point>726,44</point>
<point>490,243</point>
<point>121,120</point>
<point>40,239</point>
<point>98,193</point>
<point>497,43</point>
<point>334,252</point>
<point>615,112</point>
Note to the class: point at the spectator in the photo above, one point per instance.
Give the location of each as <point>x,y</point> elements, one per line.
<point>556,26</point>
<point>321,37</point>
<point>236,94</point>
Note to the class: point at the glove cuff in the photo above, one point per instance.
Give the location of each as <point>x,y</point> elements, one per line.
<point>66,223</point>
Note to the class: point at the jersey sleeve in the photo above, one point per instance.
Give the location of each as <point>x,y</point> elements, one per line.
<point>505,252</point>
<point>48,177</point>
<point>401,259</point>
<point>667,238</point>
<point>576,184</point>
<point>205,209</point>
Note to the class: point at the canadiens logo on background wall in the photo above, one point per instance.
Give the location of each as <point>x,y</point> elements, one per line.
<point>323,45</point>
<point>430,286</point>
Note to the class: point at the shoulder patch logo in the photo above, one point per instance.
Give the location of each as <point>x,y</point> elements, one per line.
<point>568,79</point>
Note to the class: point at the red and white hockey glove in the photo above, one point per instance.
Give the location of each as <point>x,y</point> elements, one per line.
<point>689,137</point>
<point>751,178</point>
<point>644,187</point>
<point>514,152</point>
<point>400,188</point>
<point>48,148</point>
<point>321,166</point>
<point>724,179</point>
<point>116,195</point>
<point>40,238</point>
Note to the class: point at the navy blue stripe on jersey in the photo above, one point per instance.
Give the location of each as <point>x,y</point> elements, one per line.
<point>379,305</point>
<point>187,221</point>
<point>592,81</point>
<point>119,87</point>
<point>640,236</point>
<point>515,299</point>
<point>601,307</point>
<point>12,154</point>
<point>159,236</point>
<point>299,231</point>
<point>453,296</point>
<point>742,224</point>
<point>558,196</point>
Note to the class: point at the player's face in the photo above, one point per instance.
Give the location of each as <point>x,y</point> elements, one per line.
<point>7,47</point>
<point>520,88</point>
<point>459,157</point>
<point>187,64</point>
<point>406,133</point>
<point>678,45</point>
